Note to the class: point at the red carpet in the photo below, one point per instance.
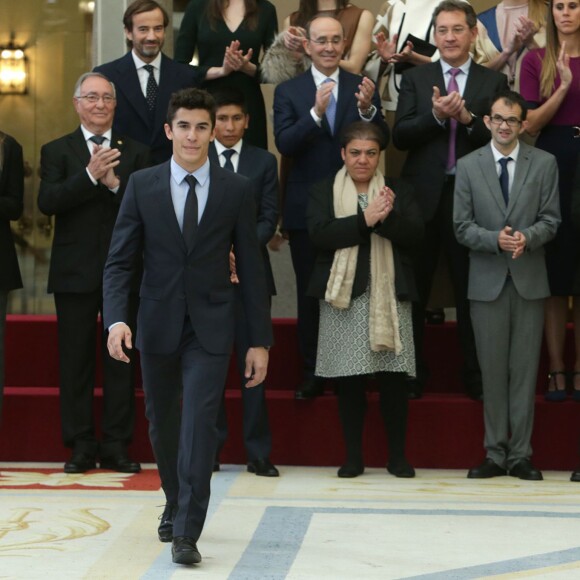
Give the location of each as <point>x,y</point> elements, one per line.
<point>35,478</point>
<point>445,427</point>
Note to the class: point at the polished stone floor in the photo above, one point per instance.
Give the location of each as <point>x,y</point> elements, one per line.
<point>307,524</point>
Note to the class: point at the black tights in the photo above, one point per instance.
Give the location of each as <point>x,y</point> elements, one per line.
<point>352,405</point>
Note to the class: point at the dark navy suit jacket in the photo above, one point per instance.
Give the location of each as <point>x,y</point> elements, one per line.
<point>261,168</point>
<point>314,150</point>
<point>131,115</point>
<point>177,283</point>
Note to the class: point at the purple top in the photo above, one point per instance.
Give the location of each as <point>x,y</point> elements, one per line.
<point>569,111</point>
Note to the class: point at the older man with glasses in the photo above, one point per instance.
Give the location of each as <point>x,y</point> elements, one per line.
<point>83,178</point>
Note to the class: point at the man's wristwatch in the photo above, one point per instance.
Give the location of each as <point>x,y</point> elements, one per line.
<point>369,113</point>
<point>472,122</point>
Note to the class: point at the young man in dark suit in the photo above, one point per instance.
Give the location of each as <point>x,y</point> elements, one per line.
<point>230,151</point>
<point>82,181</point>
<point>183,217</point>
<point>310,112</point>
<point>438,120</point>
<point>145,78</point>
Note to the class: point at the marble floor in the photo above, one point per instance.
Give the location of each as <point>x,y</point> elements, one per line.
<point>307,524</point>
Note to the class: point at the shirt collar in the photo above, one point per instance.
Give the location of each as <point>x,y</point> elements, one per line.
<point>179,174</point>
<point>497,155</point>
<point>221,148</point>
<point>156,62</point>
<point>88,134</point>
<point>319,77</point>
<point>464,67</point>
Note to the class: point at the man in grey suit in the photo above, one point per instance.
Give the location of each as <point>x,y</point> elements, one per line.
<point>183,217</point>
<point>505,224</point>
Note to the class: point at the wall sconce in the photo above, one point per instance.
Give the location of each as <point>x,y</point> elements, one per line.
<point>13,70</point>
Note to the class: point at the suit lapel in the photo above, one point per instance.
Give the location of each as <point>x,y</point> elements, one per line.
<point>244,163</point>
<point>437,79</point>
<point>167,85</point>
<point>522,169</point>
<point>131,87</point>
<point>473,86</point>
<point>346,90</point>
<point>489,171</point>
<point>162,183</point>
<point>79,146</point>
<point>214,200</point>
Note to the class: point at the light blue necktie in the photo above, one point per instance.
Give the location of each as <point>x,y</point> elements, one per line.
<point>331,108</point>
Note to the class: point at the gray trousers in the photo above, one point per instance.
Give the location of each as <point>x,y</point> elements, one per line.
<point>508,336</point>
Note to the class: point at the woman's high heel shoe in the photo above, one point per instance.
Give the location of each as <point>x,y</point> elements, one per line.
<point>556,395</point>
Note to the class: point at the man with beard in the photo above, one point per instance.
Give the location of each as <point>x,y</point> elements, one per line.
<point>145,78</point>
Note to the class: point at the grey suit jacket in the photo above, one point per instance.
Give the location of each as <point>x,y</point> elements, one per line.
<point>480,213</point>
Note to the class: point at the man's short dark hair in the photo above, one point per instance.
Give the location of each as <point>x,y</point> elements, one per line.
<point>456,6</point>
<point>138,7</point>
<point>191,99</point>
<point>511,98</point>
<point>230,96</point>
<point>365,131</point>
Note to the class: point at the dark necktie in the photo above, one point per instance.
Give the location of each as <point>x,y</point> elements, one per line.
<point>98,139</point>
<point>189,228</point>
<point>331,108</point>
<point>451,154</point>
<point>152,88</point>
<point>228,154</point>
<point>504,179</point>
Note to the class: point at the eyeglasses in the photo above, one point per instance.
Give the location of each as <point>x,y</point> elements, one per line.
<point>92,98</point>
<point>511,121</point>
<point>334,41</point>
<point>455,30</point>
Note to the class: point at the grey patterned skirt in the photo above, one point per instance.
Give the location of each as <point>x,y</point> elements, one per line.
<point>344,347</point>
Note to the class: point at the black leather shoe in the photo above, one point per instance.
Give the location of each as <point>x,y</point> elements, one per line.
<point>79,463</point>
<point>525,470</point>
<point>575,475</point>
<point>263,467</point>
<point>351,470</point>
<point>165,529</point>
<point>120,463</point>
<point>184,551</point>
<point>414,388</point>
<point>400,468</point>
<point>488,468</point>
<point>310,388</point>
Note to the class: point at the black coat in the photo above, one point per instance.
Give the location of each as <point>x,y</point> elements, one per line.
<point>403,226</point>
<point>84,213</point>
<point>11,203</point>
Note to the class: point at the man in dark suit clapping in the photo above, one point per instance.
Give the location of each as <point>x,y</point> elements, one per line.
<point>83,179</point>
<point>439,119</point>
<point>145,78</point>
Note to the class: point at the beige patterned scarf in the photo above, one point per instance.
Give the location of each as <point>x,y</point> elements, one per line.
<point>383,316</point>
